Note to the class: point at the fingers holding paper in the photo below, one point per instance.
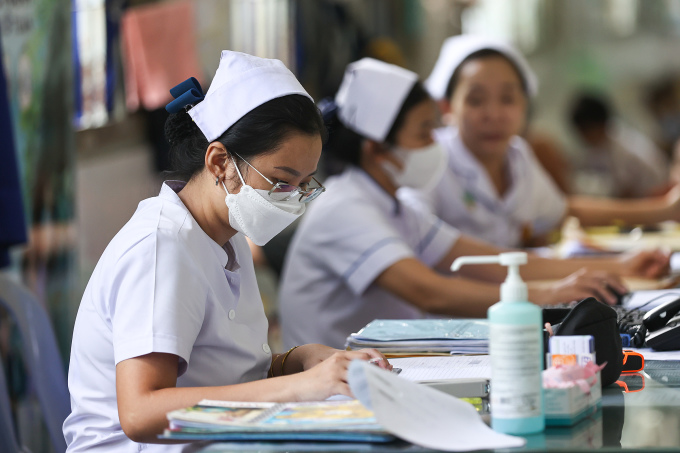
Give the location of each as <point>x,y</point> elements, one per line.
<point>310,355</point>
<point>329,377</point>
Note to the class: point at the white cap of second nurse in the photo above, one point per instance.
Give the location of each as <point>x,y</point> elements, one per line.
<point>242,82</point>
<point>371,95</point>
<point>457,48</point>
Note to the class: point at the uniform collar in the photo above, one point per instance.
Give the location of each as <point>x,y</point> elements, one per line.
<point>170,189</point>
<point>370,188</point>
<point>226,255</point>
<point>465,165</point>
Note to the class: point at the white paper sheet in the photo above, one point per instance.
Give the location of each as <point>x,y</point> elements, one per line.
<point>650,354</point>
<point>454,367</point>
<point>422,415</point>
<point>651,298</point>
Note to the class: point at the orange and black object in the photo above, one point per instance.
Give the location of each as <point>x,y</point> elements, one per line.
<point>633,362</point>
<point>631,382</point>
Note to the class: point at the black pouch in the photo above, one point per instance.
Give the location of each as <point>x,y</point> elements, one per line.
<point>592,317</point>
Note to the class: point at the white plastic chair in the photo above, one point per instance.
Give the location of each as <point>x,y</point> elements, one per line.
<point>42,360</point>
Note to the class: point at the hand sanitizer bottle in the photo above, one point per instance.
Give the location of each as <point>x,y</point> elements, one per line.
<point>516,348</point>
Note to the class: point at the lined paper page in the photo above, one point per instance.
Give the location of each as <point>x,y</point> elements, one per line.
<point>453,367</point>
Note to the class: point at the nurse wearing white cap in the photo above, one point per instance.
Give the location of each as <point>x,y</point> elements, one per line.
<point>493,187</point>
<point>529,203</point>
<point>362,255</point>
<point>172,313</point>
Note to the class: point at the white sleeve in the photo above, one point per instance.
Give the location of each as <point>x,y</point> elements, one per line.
<point>363,242</point>
<point>435,238</point>
<point>424,201</point>
<point>157,301</point>
<point>358,244</point>
<point>549,203</point>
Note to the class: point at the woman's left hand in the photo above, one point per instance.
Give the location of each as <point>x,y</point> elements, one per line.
<point>645,263</point>
<point>310,355</point>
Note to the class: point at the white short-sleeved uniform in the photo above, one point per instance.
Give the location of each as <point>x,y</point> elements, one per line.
<point>162,285</point>
<point>348,237</point>
<point>466,198</point>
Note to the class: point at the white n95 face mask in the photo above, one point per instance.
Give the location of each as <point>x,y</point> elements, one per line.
<point>252,213</point>
<point>422,167</point>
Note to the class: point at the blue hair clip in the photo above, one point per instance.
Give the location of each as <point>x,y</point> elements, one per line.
<point>328,109</point>
<point>187,93</point>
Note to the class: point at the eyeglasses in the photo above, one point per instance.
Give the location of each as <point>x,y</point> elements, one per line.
<point>284,192</point>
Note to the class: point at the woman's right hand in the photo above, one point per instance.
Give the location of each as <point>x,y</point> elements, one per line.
<point>329,377</point>
<point>583,283</point>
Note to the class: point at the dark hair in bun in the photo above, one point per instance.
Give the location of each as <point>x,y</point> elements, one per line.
<point>260,131</point>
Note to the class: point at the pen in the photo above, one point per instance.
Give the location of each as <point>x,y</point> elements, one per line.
<point>394,369</point>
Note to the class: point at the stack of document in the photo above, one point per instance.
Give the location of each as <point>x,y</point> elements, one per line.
<point>347,421</point>
<point>456,336</point>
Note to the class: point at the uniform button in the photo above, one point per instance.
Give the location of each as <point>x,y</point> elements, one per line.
<point>265,348</point>
<point>232,314</point>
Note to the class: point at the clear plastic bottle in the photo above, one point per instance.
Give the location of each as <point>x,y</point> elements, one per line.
<point>516,349</point>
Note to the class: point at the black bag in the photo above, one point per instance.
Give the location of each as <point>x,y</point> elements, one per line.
<point>592,317</point>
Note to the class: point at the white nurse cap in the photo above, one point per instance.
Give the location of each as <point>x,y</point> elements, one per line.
<point>242,82</point>
<point>371,95</point>
<point>457,48</point>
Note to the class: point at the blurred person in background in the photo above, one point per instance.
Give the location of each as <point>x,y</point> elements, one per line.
<point>663,103</point>
<point>615,159</point>
<point>493,187</point>
<point>674,172</point>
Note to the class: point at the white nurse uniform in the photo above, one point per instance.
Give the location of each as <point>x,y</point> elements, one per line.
<point>162,285</point>
<point>466,198</point>
<point>344,242</point>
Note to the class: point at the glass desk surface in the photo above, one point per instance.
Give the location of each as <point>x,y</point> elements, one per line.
<point>646,417</point>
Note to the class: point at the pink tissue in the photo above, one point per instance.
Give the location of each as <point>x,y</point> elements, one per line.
<point>565,376</point>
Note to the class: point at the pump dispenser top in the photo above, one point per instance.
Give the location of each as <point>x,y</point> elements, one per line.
<point>513,289</point>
